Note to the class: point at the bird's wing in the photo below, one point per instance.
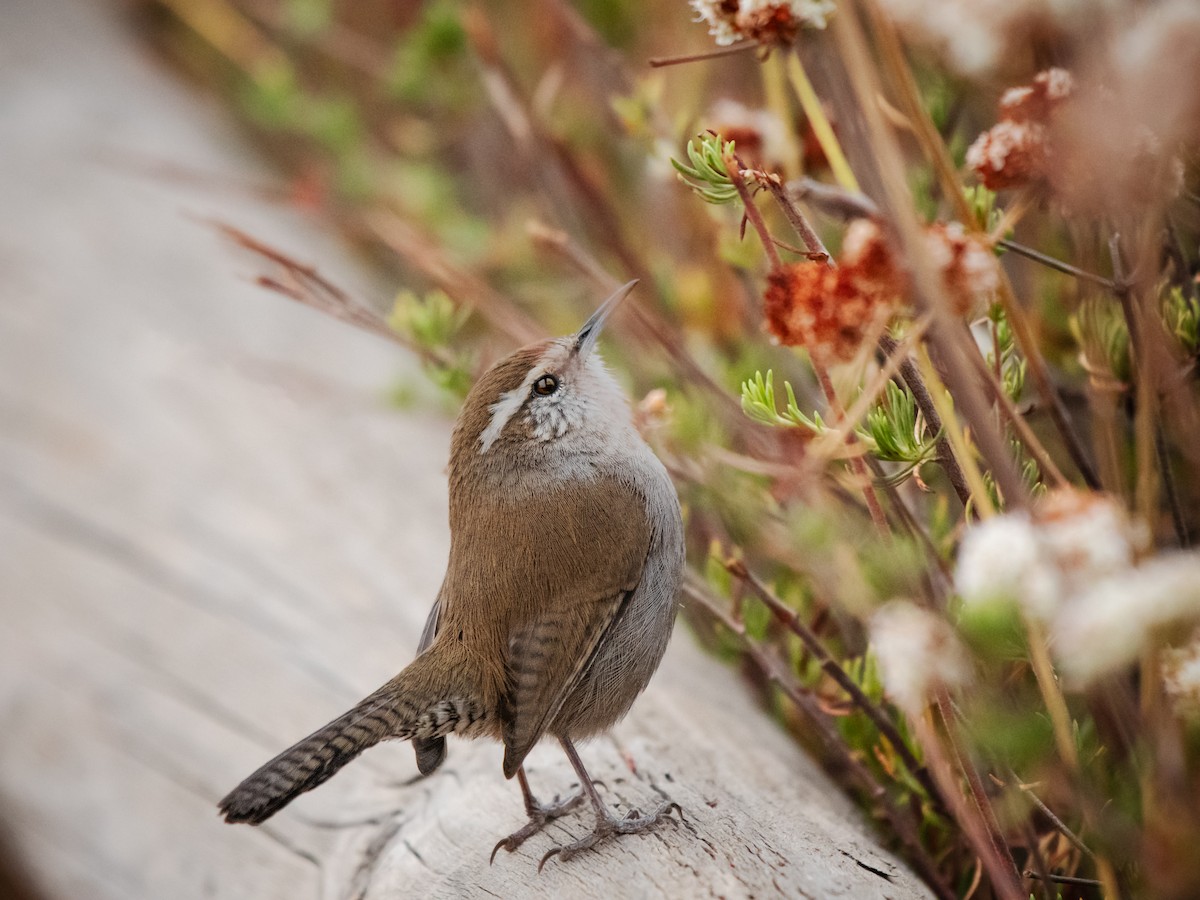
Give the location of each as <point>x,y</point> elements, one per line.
<point>430,752</point>
<point>431,626</point>
<point>584,567</point>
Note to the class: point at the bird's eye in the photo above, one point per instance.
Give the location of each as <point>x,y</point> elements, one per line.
<point>546,385</point>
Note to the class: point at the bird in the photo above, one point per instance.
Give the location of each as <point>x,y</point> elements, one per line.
<point>566,557</point>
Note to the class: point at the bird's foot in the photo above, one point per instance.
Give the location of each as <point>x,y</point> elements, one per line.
<point>609,825</point>
<point>539,817</point>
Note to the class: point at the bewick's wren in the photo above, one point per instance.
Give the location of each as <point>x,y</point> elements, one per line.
<point>566,555</point>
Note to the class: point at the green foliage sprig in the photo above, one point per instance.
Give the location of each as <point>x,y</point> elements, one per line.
<point>759,404</point>
<point>1012,365</point>
<point>895,432</point>
<point>707,175</point>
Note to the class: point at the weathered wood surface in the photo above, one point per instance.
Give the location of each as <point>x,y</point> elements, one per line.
<point>215,534</point>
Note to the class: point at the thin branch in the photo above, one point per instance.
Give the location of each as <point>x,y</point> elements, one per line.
<point>1046,811</point>
<point>832,199</point>
<point>974,783</point>
<point>1027,341</point>
<point>887,345</point>
<point>1057,264</point>
<point>657,62</point>
<point>1065,879</point>
<point>795,217</point>
<point>1040,870</point>
<point>734,168</point>
<point>1170,488</point>
<point>933,422</point>
<point>1004,880</point>
<point>929,291</point>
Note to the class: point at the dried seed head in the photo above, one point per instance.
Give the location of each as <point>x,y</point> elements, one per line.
<point>1016,151</point>
<point>1073,540</point>
<point>1002,560</point>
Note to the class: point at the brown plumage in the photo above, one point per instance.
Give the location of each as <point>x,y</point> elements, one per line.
<point>566,555</point>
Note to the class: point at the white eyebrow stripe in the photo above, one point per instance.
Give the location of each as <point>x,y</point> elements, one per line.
<point>505,408</point>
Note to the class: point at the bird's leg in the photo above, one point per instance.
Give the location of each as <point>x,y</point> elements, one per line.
<point>539,815</point>
<point>607,824</point>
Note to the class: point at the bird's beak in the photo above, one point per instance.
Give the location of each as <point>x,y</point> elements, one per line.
<point>585,340</point>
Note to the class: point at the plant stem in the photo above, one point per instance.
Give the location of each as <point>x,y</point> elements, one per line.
<point>1058,823</point>
<point>734,167</point>
<point>775,91</point>
<point>1004,880</point>
<point>812,241</point>
<point>1169,487</point>
<point>974,782</point>
<point>954,434</point>
<point>887,344</point>
<point>1065,879</point>
<point>900,76</point>
<point>1052,696</point>
<point>811,104</point>
<point>857,465</point>
<point>656,62</point>
<point>933,421</point>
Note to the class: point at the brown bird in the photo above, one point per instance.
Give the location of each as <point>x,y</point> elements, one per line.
<point>566,556</point>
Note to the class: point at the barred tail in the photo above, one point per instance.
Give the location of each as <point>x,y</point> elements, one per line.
<point>406,707</point>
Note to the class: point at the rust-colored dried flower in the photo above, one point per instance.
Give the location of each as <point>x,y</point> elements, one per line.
<point>967,265</point>
<point>868,256</point>
<point>1034,102</point>
<point>1016,150</point>
<point>969,269</point>
<point>1009,154</point>
<point>829,311</point>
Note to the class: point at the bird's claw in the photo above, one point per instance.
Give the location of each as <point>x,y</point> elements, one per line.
<point>539,817</point>
<point>607,826</point>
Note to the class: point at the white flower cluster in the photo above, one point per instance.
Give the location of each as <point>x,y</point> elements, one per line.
<point>918,653</point>
<point>767,21</point>
<point>1039,560</point>
<point>1104,628</point>
<point>1181,677</point>
<point>1071,565</point>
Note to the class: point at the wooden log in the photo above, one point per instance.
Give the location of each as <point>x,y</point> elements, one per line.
<point>216,533</point>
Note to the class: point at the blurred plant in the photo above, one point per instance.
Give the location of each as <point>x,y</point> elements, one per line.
<point>927,556</point>
<point>433,323</point>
